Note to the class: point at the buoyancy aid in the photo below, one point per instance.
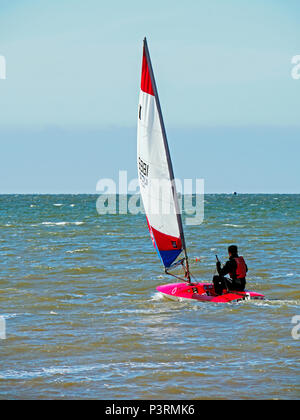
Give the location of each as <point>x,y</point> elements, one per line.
<point>241,268</point>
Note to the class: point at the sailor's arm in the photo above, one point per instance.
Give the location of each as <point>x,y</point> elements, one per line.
<point>222,271</point>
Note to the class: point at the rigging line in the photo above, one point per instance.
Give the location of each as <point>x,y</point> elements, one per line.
<point>193,277</point>
<point>175,264</point>
<point>185,279</point>
<point>177,277</point>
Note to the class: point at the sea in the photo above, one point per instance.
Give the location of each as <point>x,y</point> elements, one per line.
<point>81,317</point>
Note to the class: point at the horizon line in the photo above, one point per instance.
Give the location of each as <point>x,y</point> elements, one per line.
<point>97,193</point>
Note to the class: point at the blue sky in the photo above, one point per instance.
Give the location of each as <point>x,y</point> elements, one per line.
<point>69,104</point>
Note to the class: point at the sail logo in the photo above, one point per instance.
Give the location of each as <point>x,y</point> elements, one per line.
<point>2,67</point>
<point>295,73</point>
<point>2,328</point>
<point>143,172</point>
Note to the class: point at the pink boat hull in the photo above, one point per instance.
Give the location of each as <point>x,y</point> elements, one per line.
<point>204,292</point>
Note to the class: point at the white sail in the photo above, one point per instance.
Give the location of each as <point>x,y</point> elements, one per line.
<point>155,171</point>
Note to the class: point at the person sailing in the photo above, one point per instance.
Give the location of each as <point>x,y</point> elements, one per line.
<point>236,267</point>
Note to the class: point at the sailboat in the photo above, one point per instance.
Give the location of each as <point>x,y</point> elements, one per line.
<point>160,200</point>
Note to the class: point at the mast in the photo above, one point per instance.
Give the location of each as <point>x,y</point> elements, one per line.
<point>170,167</point>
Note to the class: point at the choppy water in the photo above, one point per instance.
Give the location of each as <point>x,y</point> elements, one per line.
<point>83,319</point>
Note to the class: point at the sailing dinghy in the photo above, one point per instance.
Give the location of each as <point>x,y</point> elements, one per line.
<point>158,192</point>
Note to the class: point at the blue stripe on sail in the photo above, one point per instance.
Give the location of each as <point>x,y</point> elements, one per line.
<point>168,257</point>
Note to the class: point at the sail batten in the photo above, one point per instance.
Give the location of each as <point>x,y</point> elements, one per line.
<point>155,170</point>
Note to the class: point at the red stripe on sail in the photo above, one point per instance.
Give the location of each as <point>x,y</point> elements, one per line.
<point>146,84</point>
<point>166,242</point>
<point>162,241</point>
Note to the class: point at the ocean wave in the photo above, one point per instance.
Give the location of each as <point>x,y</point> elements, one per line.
<point>275,303</point>
<point>79,250</point>
<point>83,270</point>
<point>231,225</point>
<point>61,223</point>
<point>13,315</point>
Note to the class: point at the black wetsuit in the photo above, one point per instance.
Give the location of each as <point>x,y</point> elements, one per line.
<point>221,282</point>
